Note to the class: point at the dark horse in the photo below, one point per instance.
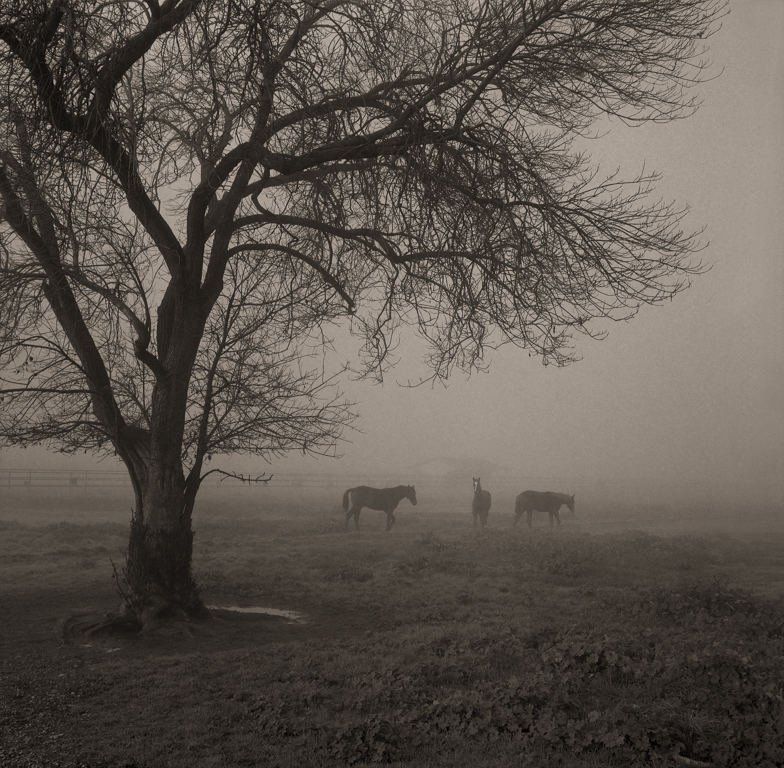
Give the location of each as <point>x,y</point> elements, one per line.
<point>384,499</point>
<point>542,501</point>
<point>480,506</point>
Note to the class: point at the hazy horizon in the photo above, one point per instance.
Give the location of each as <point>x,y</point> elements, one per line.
<point>689,395</point>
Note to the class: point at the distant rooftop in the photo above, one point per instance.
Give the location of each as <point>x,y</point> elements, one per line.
<point>448,466</point>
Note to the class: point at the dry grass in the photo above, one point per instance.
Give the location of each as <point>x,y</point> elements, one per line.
<point>399,622</point>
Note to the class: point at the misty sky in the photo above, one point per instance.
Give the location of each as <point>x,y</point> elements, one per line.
<point>687,393</point>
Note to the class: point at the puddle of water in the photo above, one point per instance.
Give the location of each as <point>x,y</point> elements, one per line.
<point>298,618</point>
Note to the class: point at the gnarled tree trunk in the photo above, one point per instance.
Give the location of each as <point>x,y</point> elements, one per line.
<point>158,578</point>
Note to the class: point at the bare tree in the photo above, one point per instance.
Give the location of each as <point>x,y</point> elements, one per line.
<point>192,189</point>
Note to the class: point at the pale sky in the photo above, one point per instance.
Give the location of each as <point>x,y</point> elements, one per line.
<point>691,392</point>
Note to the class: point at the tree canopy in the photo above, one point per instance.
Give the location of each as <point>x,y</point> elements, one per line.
<point>194,190</point>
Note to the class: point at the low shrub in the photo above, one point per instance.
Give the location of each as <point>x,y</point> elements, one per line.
<point>712,601</point>
<point>586,692</point>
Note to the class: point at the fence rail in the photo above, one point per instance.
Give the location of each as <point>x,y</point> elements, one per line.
<point>591,491</point>
<point>20,479</point>
<point>43,478</point>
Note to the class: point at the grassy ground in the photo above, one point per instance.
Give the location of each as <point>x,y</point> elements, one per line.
<point>621,643</point>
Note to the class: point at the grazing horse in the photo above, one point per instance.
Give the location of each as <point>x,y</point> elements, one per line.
<point>384,499</point>
<point>480,506</point>
<point>541,501</point>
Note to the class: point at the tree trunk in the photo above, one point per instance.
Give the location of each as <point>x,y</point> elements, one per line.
<point>158,580</point>
<point>158,577</point>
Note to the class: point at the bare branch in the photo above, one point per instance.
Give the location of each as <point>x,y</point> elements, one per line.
<point>193,191</point>
<point>237,476</point>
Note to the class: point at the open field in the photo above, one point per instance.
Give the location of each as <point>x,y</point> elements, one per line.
<point>629,637</point>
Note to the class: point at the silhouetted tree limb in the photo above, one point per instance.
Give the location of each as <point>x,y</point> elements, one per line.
<point>193,191</point>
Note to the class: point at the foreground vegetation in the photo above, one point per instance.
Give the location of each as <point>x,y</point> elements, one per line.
<point>429,646</point>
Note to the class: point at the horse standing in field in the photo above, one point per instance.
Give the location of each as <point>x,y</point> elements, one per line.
<point>383,499</point>
<point>541,501</point>
<point>480,506</point>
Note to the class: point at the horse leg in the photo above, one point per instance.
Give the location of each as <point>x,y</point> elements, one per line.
<point>390,520</point>
<point>558,518</point>
<point>353,512</point>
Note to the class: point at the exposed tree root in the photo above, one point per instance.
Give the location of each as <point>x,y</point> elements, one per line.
<point>95,624</point>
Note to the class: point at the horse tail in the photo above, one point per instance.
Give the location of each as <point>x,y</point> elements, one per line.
<point>519,505</point>
<point>345,499</point>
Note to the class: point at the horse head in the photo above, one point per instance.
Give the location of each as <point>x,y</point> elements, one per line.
<point>411,494</point>
<point>570,503</point>
<point>477,484</point>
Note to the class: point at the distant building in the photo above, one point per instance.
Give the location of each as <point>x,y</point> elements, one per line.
<point>459,469</point>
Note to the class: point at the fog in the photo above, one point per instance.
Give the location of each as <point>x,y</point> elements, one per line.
<point>684,404</point>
